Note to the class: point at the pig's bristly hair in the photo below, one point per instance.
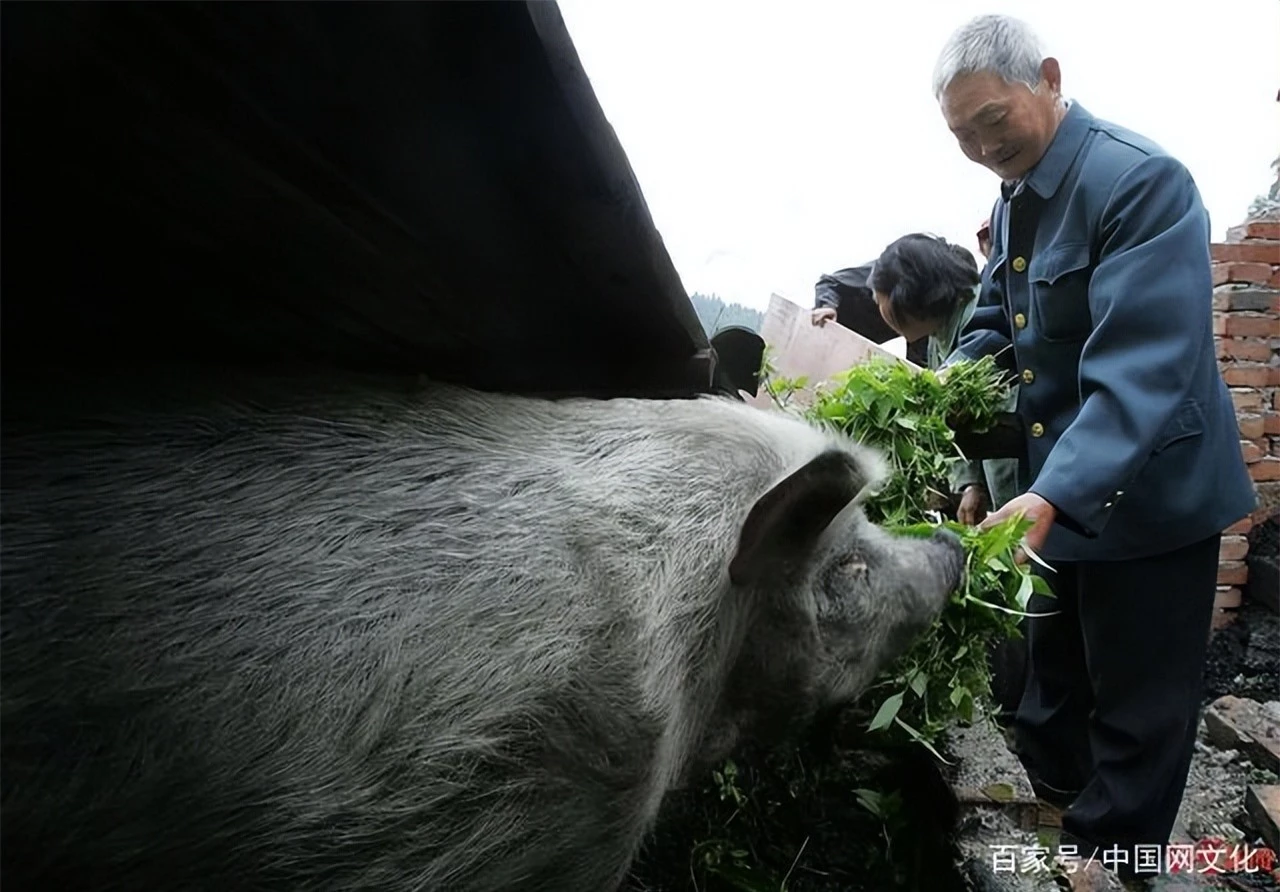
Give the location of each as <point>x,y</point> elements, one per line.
<point>346,633</point>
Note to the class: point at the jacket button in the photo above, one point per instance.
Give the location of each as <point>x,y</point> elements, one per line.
<point>1019,264</point>
<point>1028,376</point>
<point>1020,321</point>
<point>1037,430</point>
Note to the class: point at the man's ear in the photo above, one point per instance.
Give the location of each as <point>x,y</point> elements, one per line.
<point>1051,74</point>
<point>785,523</point>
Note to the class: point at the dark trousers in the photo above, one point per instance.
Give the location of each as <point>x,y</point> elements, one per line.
<point>1107,723</point>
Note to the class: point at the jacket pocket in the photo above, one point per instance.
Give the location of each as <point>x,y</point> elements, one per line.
<point>1187,422</point>
<point>1059,278</point>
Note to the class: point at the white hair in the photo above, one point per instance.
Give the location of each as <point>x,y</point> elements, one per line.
<point>1000,44</point>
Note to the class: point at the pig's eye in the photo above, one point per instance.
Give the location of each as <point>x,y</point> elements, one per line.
<point>852,566</point>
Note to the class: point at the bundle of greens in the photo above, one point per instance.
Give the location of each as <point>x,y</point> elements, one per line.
<point>911,415</point>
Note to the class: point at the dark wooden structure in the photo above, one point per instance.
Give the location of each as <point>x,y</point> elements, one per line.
<point>429,188</point>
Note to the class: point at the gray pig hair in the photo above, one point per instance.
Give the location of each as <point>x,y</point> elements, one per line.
<point>272,581</point>
<point>1000,44</point>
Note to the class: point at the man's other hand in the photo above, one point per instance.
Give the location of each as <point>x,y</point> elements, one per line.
<point>973,505</point>
<point>822,315</point>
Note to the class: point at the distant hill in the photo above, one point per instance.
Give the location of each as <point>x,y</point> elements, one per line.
<point>715,314</point>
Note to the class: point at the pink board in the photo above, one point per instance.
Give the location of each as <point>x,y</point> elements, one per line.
<point>798,347</point>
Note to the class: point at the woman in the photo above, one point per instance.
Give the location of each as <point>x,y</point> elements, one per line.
<point>926,287</point>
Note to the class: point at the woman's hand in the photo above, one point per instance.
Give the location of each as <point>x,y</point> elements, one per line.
<point>821,316</point>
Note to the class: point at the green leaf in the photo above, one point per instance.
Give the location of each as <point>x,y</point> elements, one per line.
<point>919,683</point>
<point>1000,792</point>
<point>920,738</point>
<point>871,800</point>
<point>887,712</point>
<point>1041,586</point>
<point>1025,588</point>
<point>1031,553</point>
<point>743,877</point>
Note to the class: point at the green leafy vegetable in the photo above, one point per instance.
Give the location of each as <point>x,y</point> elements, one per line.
<point>910,416</point>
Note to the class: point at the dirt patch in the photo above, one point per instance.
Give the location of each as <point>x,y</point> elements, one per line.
<point>1213,804</point>
<point>1244,658</point>
<point>1244,661</point>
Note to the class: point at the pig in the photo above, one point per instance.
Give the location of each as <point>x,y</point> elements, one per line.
<point>321,632</point>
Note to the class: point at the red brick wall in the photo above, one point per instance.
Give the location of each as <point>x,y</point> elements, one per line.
<point>1246,325</point>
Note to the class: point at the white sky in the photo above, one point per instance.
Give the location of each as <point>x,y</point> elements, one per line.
<point>774,142</point>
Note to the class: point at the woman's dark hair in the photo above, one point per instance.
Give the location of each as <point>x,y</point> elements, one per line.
<point>924,277</point>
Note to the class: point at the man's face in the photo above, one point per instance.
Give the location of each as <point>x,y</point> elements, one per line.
<point>1004,127</point>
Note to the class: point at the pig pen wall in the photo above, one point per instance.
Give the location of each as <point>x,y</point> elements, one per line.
<point>1246,325</point>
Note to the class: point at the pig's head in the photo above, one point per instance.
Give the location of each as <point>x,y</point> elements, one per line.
<point>847,594</point>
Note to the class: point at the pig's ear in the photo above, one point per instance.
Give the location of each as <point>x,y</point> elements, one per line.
<point>785,523</point>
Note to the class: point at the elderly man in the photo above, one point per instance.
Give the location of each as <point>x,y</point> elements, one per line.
<point>1098,293</point>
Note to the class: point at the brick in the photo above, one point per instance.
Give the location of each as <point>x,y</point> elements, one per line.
<point>1275,398</point>
<point>1252,451</point>
<point>1232,573</point>
<point>1254,251</point>
<point>1273,281</point>
<point>1250,374</point>
<point>1250,425</point>
<point>1232,298</point>
<point>1247,349</point>
<point>1275,446</point>
<point>1265,229</point>
<point>1271,424</point>
<point>1233,548</point>
<point>1222,619</point>
<point>1246,325</point>
<point>1265,469</point>
<point>1227,598</point>
<point>1233,723</point>
<point>1240,527</point>
<point>1255,273</point>
<point>1247,399</point>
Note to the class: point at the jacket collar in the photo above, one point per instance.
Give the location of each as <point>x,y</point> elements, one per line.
<point>1049,172</point>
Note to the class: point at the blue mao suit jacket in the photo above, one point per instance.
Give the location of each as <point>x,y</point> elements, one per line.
<point>1098,293</point>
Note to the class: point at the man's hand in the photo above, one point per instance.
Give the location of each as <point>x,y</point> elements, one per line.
<point>822,315</point>
<point>1033,508</point>
<point>973,505</point>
